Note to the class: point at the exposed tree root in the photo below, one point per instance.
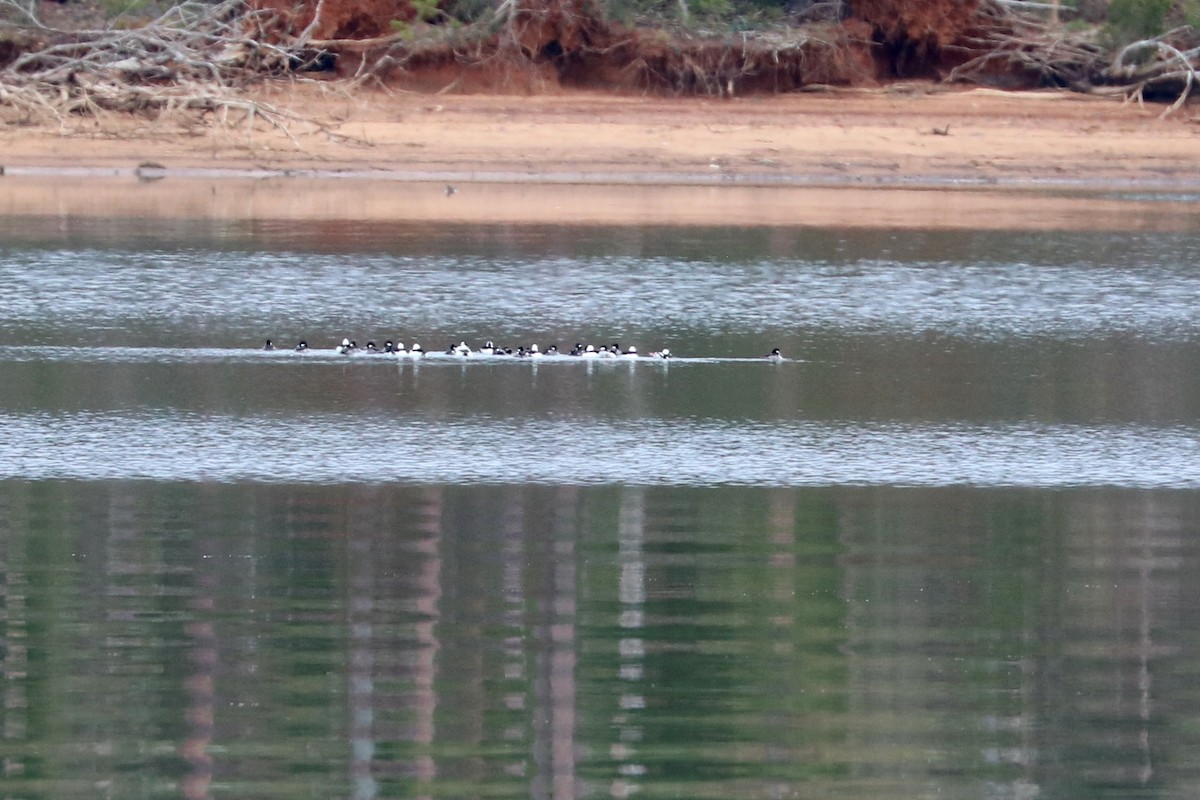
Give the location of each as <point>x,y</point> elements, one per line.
<point>195,62</point>
<point>1005,43</point>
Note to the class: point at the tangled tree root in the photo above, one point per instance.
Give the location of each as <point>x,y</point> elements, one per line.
<point>1003,43</point>
<point>749,63</point>
<point>196,60</point>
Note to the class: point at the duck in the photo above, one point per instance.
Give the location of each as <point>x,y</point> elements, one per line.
<point>630,353</point>
<point>774,355</point>
<point>301,346</point>
<point>577,350</point>
<point>346,347</point>
<point>606,353</point>
<point>489,348</point>
<point>589,352</point>
<point>416,351</point>
<point>552,350</point>
<point>268,345</point>
<point>664,353</point>
<point>373,348</point>
<point>389,346</point>
<point>534,352</point>
<point>460,349</point>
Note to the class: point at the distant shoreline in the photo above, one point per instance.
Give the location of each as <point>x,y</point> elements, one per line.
<point>913,156</point>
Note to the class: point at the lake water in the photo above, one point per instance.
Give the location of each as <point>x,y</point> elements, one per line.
<point>943,549</point>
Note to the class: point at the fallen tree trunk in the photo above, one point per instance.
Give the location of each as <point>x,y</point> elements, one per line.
<point>1162,66</point>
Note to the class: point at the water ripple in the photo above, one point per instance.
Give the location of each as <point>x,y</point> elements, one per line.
<point>333,448</point>
<point>168,294</point>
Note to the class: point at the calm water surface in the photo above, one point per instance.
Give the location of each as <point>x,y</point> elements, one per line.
<point>943,550</point>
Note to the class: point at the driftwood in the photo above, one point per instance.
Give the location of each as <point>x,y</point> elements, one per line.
<point>199,59</point>
<point>1003,40</point>
<point>196,57</point>
<point>1157,65</point>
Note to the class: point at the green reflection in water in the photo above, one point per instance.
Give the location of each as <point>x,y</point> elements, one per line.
<point>275,641</point>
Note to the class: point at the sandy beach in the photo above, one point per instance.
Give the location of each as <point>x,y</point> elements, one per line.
<point>963,157</point>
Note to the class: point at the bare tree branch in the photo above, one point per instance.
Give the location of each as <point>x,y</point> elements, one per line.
<point>195,58</point>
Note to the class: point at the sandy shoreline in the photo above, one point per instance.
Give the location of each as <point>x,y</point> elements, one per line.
<point>794,159</point>
<point>324,199</point>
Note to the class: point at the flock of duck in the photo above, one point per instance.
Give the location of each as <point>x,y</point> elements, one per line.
<point>463,350</point>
